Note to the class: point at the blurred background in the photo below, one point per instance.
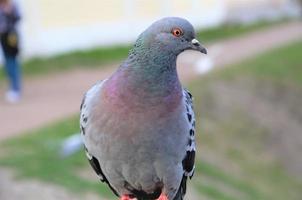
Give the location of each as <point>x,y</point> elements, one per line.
<point>247,90</point>
<point>89,24</point>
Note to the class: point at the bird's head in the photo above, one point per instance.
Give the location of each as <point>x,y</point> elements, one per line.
<point>171,35</point>
<point>151,64</point>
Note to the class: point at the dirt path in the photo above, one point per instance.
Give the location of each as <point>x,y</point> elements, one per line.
<point>12,189</point>
<point>55,97</point>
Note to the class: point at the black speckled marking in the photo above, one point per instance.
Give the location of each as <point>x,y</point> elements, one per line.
<point>85,119</point>
<point>190,95</point>
<point>82,103</point>
<point>83,130</point>
<point>188,161</point>
<point>189,117</point>
<point>190,142</point>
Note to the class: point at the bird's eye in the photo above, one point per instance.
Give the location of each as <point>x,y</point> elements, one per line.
<point>177,32</point>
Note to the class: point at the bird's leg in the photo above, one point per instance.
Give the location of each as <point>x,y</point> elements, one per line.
<point>162,197</point>
<point>125,197</point>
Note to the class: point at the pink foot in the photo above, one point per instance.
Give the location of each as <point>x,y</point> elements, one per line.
<point>125,197</point>
<point>163,197</point>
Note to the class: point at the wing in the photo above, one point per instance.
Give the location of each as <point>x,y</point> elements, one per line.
<point>86,105</point>
<point>189,159</point>
<point>85,110</point>
<point>97,168</point>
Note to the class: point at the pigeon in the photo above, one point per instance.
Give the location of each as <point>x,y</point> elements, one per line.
<point>138,125</point>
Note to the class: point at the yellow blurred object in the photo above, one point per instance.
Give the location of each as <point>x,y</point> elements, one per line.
<point>66,13</point>
<point>147,9</point>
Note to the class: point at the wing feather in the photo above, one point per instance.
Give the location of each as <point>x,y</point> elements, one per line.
<point>188,162</point>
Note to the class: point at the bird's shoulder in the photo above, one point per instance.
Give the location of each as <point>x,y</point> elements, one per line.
<point>86,104</point>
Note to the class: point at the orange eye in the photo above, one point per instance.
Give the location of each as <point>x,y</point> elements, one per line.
<point>177,32</point>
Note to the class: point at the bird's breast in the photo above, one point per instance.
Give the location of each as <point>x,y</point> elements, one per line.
<point>139,103</point>
<point>134,139</point>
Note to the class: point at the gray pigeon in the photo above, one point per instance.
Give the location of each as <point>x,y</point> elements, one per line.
<point>138,125</point>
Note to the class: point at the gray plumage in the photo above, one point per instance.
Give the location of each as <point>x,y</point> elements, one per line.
<point>138,126</point>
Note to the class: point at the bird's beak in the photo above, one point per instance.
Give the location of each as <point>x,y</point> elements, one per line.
<point>198,47</point>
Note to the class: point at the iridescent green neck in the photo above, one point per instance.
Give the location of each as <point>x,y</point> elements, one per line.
<point>147,76</point>
<point>154,71</point>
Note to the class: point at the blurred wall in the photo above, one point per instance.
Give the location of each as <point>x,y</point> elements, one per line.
<point>50,27</point>
<point>246,11</point>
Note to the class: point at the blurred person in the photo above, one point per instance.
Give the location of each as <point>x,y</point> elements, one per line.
<point>9,17</point>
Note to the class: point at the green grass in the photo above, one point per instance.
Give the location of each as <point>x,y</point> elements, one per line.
<point>283,65</point>
<point>90,58</point>
<point>93,58</point>
<point>245,170</point>
<point>236,137</point>
<point>97,57</point>
<point>232,30</point>
<point>100,56</point>
<point>212,171</point>
<point>36,155</point>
